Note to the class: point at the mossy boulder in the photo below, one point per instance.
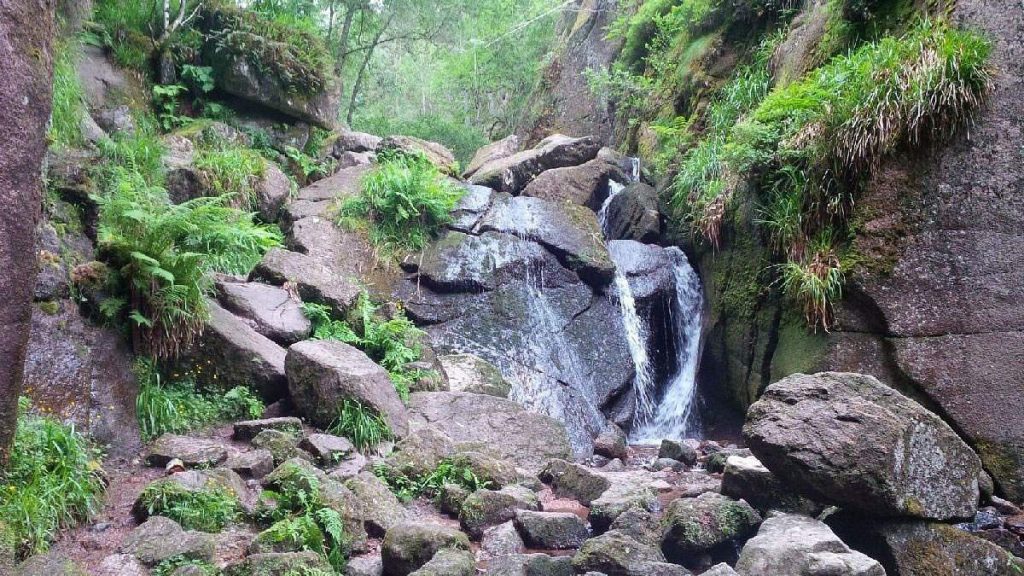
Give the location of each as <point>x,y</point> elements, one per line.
<point>943,550</point>
<point>159,538</point>
<point>616,554</point>
<point>485,508</point>
<point>410,545</point>
<point>282,446</point>
<point>278,564</point>
<point>698,525</point>
<point>449,562</point>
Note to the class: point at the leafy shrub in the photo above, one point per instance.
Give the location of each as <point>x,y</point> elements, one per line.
<point>234,172</point>
<point>299,516</point>
<point>141,153</point>
<point>161,254</point>
<point>178,406</point>
<point>52,482</point>
<point>360,424</point>
<point>448,471</point>
<point>406,200</point>
<point>167,102</point>
<point>68,108</point>
<point>207,510</point>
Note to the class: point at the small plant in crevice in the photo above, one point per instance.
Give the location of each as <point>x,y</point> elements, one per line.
<point>298,517</point>
<point>170,566</point>
<point>176,407</point>
<point>405,200</point>
<point>391,340</point>
<point>360,424</point>
<point>52,482</point>
<point>815,282</point>
<point>448,471</point>
<point>206,510</point>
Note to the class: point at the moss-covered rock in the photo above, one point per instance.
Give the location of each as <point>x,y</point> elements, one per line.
<point>698,525</point>
<point>409,546</point>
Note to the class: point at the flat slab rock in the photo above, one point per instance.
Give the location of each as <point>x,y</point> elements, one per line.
<point>272,311</point>
<point>193,452</point>
<point>495,426</point>
<point>246,430</point>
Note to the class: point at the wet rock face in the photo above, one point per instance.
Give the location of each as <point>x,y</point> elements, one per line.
<point>851,440</point>
<point>583,185</point>
<point>633,214</point>
<point>82,373</point>
<point>790,544</point>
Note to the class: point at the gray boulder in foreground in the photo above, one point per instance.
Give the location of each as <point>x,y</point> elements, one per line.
<point>850,440</point>
<point>789,544</point>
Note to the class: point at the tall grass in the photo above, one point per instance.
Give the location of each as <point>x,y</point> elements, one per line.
<point>68,105</point>
<point>52,482</point>
<point>233,171</point>
<point>406,201</point>
<point>208,510</point>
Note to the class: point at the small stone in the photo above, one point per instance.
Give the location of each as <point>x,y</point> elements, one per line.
<point>678,450</point>
<point>485,508</point>
<point>121,565</point>
<point>574,481</point>
<point>282,445</point>
<point>349,467</point>
<point>249,429</point>
<point>551,530</point>
<point>611,443</point>
<point>253,464</point>
<point>530,565</point>
<point>370,565</point>
<point>501,540</point>
<point>666,464</point>
<point>327,448</point>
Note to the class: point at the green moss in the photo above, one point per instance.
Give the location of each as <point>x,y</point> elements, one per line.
<point>798,350</point>
<point>50,307</point>
<point>1005,462</point>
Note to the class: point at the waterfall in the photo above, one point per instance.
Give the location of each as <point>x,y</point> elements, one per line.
<point>614,188</point>
<point>675,416</point>
<point>636,338</point>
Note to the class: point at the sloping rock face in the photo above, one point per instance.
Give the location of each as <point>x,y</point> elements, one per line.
<point>491,425</point>
<point>585,185</point>
<point>272,311</point>
<point>82,373</point>
<point>564,101</point>
<point>523,288</point>
<point>493,151</point>
<point>853,441</point>
<point>633,214</point>
<point>512,173</point>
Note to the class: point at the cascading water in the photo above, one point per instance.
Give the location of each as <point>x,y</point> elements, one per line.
<point>636,338</point>
<point>675,416</point>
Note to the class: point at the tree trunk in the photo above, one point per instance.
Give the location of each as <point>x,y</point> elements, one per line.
<point>26,70</point>
<point>358,84</point>
<point>346,31</point>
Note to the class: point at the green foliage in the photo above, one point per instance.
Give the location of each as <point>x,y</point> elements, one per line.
<point>815,283</point>
<point>448,471</point>
<point>52,482</point>
<point>167,102</point>
<point>360,424</point>
<point>293,54</point>
<point>233,172</point>
<point>141,153</point>
<point>207,510</point>
<point>68,107</point>
<point>169,566</point>
<point>406,200</point>
<point>125,28</point>
<point>199,78</point>
<point>463,138</point>
<point>178,406</point>
<point>161,254</point>
<point>300,518</point>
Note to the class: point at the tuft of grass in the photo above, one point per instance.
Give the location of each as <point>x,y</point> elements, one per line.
<point>360,424</point>
<point>52,482</point>
<point>816,282</point>
<point>68,106</point>
<point>233,171</point>
<point>448,471</point>
<point>405,199</point>
<point>207,510</point>
<point>177,407</point>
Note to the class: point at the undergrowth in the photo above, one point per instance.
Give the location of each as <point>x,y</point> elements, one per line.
<point>233,171</point>
<point>170,566</point>
<point>68,106</point>
<point>52,482</point>
<point>300,519</point>
<point>448,471</point>
<point>406,201</point>
<point>179,406</point>
<point>207,510</point>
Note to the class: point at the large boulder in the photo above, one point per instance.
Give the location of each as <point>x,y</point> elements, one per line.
<point>236,75</point>
<point>272,191</point>
<point>551,530</point>
<point>437,154</point>
<point>851,440</point>
<point>314,281</point>
<point>746,478</point>
<point>568,231</point>
<point>616,554</point>
<point>409,546</point>
<point>491,425</point>
<point>449,562</point>
<point>192,452</point>
<point>323,373</point>
<point>484,508</point>
<point>379,508</point>
<point>789,544</point>
<point>352,141</point>
<point>698,525</point>
<point>911,548</point>
<point>512,173</point>
<point>469,373</point>
<point>159,538</point>
<point>82,373</point>
<point>238,355</point>
<point>494,151</point>
<point>271,311</point>
<point>530,565</point>
<point>583,185</point>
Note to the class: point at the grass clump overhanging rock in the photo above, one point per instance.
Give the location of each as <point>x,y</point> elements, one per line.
<point>207,510</point>
<point>448,471</point>
<point>405,200</point>
<point>360,424</point>
<point>233,171</point>
<point>807,147</point>
<point>179,406</point>
<point>52,482</point>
